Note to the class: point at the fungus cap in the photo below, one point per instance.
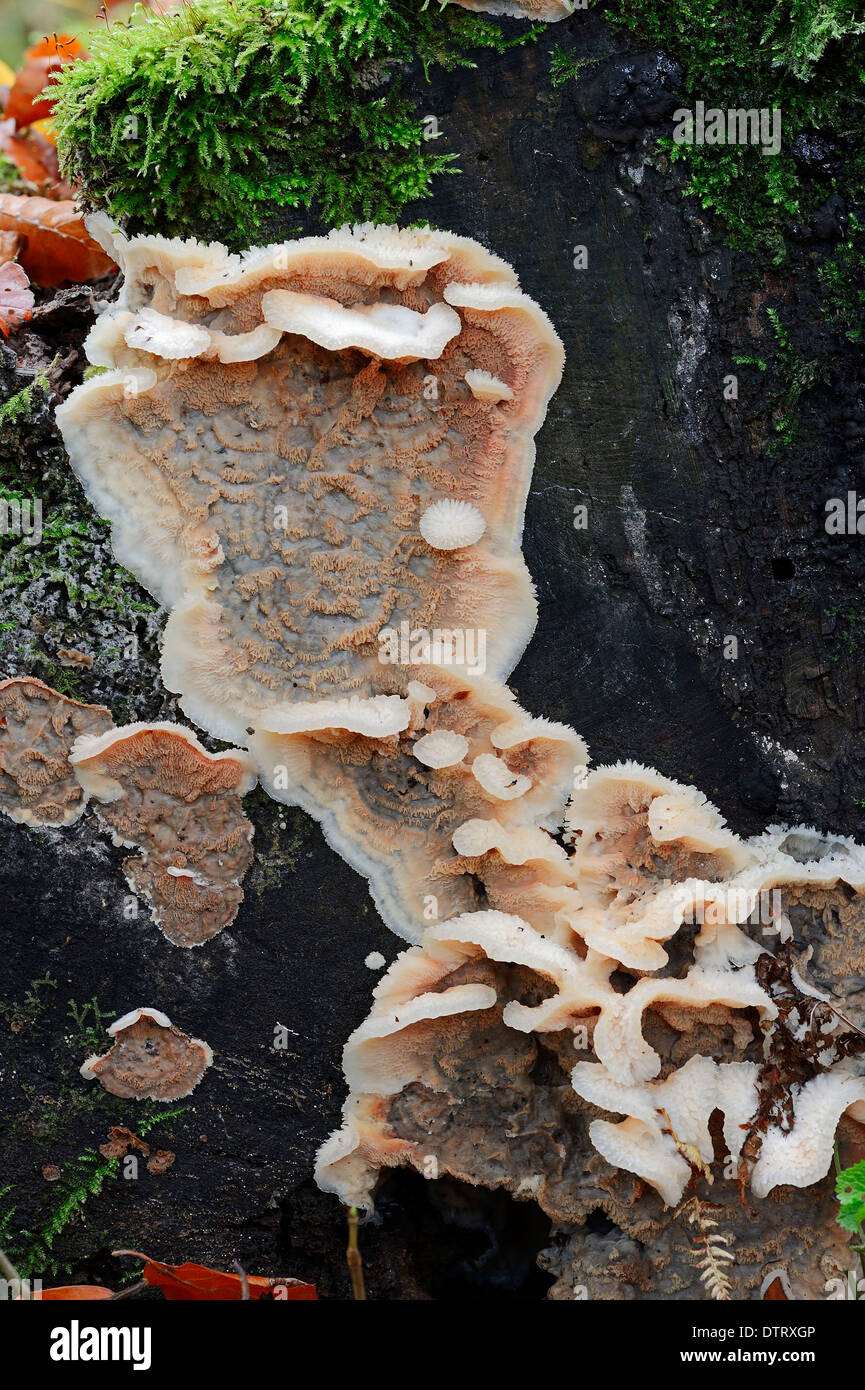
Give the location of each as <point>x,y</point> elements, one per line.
<point>451,525</point>
<point>442,748</point>
<point>486,387</point>
<point>151,1059</point>
<point>38,728</point>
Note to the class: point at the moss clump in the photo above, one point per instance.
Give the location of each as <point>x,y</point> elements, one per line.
<point>806,57</point>
<point>843,281</point>
<point>20,406</point>
<point>232,109</point>
<point>60,583</point>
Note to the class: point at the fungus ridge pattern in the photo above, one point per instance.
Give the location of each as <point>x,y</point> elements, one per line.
<point>556,982</point>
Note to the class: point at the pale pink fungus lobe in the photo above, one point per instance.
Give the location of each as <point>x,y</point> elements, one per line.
<point>38,727</point>
<point>156,790</point>
<point>151,1059</point>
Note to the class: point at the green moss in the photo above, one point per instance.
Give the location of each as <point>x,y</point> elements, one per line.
<point>843,283</point>
<point>70,555</point>
<point>25,1014</point>
<point>33,1251</point>
<point>849,634</point>
<point>20,406</point>
<point>11,180</point>
<point>88,1026</point>
<point>805,57</point>
<point>237,108</point>
<point>798,376</point>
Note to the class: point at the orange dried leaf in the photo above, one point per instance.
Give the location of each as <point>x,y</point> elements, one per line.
<point>46,129</point>
<point>197,1283</point>
<point>775,1293</point>
<point>42,62</point>
<point>56,247</point>
<point>16,297</point>
<point>35,158</point>
<point>69,1293</point>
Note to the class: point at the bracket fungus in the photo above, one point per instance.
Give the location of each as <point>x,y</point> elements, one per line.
<point>317,457</point>
<point>273,504</point>
<point>151,1059</point>
<point>155,789</point>
<point>38,727</point>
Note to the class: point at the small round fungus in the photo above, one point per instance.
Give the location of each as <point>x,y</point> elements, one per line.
<point>374,961</point>
<point>451,525</point>
<point>441,749</point>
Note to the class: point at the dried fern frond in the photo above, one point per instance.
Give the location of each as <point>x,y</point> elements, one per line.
<point>710,1253</point>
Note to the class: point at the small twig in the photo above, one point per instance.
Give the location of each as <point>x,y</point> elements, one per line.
<point>244,1282</point>
<point>352,1255</point>
<point>128,1292</point>
<point>9,1272</point>
<point>838,1014</point>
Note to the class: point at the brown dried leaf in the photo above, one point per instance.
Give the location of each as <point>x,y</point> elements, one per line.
<point>55,246</point>
<point>197,1283</point>
<point>16,298</point>
<point>42,62</point>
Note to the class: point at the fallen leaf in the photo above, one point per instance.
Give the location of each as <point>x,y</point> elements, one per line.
<point>16,298</point>
<point>35,158</point>
<point>775,1293</point>
<point>72,1293</point>
<point>197,1283</point>
<point>7,77</point>
<point>56,247</point>
<point>8,246</point>
<point>42,62</point>
<point>50,1172</point>
<point>46,129</point>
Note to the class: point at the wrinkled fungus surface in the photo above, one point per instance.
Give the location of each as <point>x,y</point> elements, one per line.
<point>151,1059</point>
<point>155,789</point>
<point>317,457</point>
<point>38,727</point>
